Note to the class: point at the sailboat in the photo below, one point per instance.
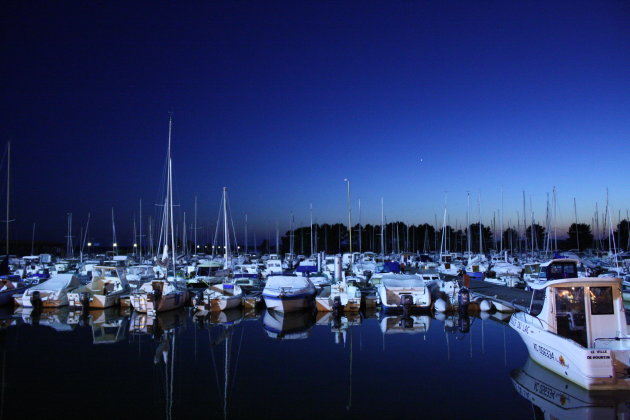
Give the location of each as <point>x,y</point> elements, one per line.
<point>9,284</point>
<point>158,295</point>
<point>226,295</point>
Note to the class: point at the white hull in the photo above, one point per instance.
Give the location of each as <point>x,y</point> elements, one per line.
<point>288,304</point>
<point>96,301</point>
<point>25,301</point>
<point>593,369</point>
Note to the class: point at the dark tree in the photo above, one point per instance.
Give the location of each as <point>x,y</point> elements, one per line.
<point>510,239</point>
<point>539,236</point>
<point>474,237</point>
<point>621,235</point>
<point>581,232</point>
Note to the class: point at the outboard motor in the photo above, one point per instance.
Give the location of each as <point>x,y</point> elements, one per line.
<point>84,298</point>
<point>337,306</point>
<point>157,295</point>
<point>463,299</point>
<point>367,274</point>
<point>406,301</point>
<point>199,298</point>
<point>36,299</point>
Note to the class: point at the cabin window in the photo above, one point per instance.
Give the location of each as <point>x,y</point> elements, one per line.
<point>538,299</point>
<point>601,301</point>
<point>558,271</point>
<point>571,314</point>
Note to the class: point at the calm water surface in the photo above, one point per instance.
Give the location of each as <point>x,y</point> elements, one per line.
<point>260,365</point>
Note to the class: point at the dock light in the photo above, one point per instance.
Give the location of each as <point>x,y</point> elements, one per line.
<point>197,246</point>
<point>135,245</point>
<point>115,244</point>
<point>89,243</point>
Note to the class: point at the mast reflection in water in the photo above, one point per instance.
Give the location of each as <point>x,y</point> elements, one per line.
<point>263,364</point>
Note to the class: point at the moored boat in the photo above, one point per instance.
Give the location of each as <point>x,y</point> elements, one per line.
<point>288,293</point>
<point>107,286</point>
<point>50,294</point>
<point>576,327</point>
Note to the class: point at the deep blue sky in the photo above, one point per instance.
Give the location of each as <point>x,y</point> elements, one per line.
<point>280,101</point>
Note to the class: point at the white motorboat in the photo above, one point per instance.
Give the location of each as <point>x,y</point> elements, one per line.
<point>576,327</point>
<point>288,293</point>
<point>343,295</point>
<point>272,267</point>
<point>220,297</point>
<point>107,286</point>
<point>158,296</point>
<point>49,294</point>
<point>405,291</point>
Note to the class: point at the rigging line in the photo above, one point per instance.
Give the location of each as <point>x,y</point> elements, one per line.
<point>232,220</point>
<point>216,231</point>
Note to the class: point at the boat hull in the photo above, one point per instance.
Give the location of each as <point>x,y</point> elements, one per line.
<point>288,303</point>
<point>96,301</point>
<point>25,301</point>
<point>145,303</point>
<point>593,369</point>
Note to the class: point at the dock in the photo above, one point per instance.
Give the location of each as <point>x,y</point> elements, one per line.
<point>505,299</point>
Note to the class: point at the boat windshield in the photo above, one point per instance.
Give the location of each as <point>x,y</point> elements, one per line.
<point>538,299</point>
<point>561,270</point>
<point>601,300</point>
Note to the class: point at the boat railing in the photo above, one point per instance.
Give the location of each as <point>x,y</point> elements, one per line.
<point>525,316</point>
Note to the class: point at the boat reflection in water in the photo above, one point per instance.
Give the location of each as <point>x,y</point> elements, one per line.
<point>552,396</point>
<point>294,325</point>
<point>108,325</point>
<point>157,325</point>
<point>410,324</point>
<point>55,318</point>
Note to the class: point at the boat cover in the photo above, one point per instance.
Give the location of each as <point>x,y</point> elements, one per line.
<point>277,282</point>
<point>58,282</point>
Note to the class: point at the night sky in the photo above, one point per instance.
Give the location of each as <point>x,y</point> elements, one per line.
<point>280,101</point>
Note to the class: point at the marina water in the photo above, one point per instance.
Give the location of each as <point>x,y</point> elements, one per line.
<point>108,364</point>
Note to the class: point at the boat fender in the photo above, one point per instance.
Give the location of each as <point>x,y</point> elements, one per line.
<point>36,299</point>
<point>485,305</point>
<point>440,305</point>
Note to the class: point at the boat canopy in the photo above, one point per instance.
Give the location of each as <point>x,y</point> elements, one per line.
<point>58,282</point>
<point>277,282</point>
<point>403,280</point>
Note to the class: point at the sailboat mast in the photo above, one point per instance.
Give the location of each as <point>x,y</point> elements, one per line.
<point>226,237</point>
<point>196,250</point>
<point>382,229</point>
<point>170,193</point>
<point>8,193</point>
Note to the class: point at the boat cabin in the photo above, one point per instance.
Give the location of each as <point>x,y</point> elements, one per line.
<point>108,279</point>
<point>584,310</point>
<point>556,269</point>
